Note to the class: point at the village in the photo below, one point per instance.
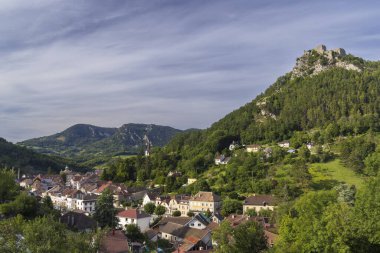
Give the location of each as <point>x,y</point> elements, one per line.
<point>185,221</point>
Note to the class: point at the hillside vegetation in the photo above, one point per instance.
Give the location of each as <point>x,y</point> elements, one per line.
<point>337,109</point>
<point>13,156</point>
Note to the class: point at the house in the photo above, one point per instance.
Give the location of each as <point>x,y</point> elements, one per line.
<point>78,200</point>
<point>182,221</point>
<point>217,218</point>
<point>175,174</point>
<point>150,197</point>
<point>268,152</point>
<point>26,183</point>
<point>234,145</point>
<point>284,144</point>
<point>199,221</point>
<point>253,148</point>
<point>119,192</point>
<point>183,204</point>
<point>191,181</point>
<point>179,203</point>
<point>203,201</point>
<point>114,242</point>
<point>237,219</point>
<point>188,238</point>
<point>86,202</point>
<point>222,160</point>
<point>134,216</point>
<point>75,181</point>
<point>310,145</point>
<point>163,201</point>
<point>78,221</point>
<point>259,202</point>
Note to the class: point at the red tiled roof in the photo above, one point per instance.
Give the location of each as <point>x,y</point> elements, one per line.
<point>133,214</point>
<point>103,187</point>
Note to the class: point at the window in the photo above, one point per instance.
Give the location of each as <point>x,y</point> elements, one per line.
<point>199,224</point>
<point>192,224</point>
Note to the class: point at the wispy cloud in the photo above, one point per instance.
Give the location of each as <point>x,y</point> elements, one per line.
<point>178,63</point>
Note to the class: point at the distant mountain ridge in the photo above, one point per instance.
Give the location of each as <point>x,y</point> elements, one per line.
<point>84,140</point>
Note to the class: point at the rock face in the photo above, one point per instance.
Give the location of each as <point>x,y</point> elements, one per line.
<point>319,59</point>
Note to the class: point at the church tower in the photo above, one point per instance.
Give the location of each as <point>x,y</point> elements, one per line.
<point>147,145</point>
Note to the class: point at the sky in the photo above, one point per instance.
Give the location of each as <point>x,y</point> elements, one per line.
<point>184,64</point>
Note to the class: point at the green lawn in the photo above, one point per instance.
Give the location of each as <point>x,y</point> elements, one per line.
<point>326,175</point>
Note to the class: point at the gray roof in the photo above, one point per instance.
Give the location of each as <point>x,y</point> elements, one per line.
<point>183,231</point>
<point>202,219</point>
<point>79,221</point>
<point>176,220</point>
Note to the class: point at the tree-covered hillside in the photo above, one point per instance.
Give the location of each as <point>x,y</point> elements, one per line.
<point>345,101</point>
<point>84,142</point>
<point>336,109</point>
<point>13,156</point>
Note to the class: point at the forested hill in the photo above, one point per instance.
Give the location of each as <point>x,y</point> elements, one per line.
<point>325,89</point>
<point>86,141</point>
<point>13,156</point>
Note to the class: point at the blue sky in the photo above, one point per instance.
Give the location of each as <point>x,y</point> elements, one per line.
<point>179,63</point>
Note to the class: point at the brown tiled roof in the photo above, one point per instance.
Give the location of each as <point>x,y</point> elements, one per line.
<point>68,191</point>
<point>237,219</point>
<point>259,200</point>
<point>187,233</point>
<point>114,243</point>
<point>206,197</point>
<point>212,226</point>
<point>133,214</point>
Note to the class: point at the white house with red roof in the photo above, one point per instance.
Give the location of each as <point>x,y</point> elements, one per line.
<point>134,216</point>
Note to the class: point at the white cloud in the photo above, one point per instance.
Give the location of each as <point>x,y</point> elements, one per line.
<point>178,63</point>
